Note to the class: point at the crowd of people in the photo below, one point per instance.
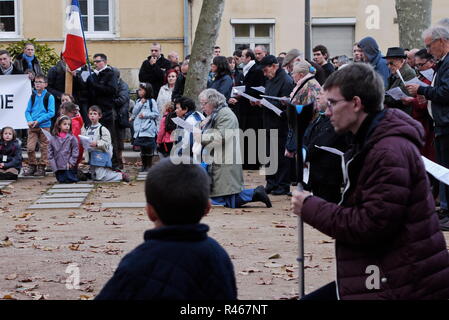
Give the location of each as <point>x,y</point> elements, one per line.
<point>380,208</point>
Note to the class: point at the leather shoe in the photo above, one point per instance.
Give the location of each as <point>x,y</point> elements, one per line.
<point>261,195</point>
<point>280,192</point>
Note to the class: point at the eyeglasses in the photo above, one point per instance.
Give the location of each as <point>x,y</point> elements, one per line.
<point>419,65</point>
<point>391,63</point>
<point>40,82</point>
<point>331,104</point>
<point>98,61</point>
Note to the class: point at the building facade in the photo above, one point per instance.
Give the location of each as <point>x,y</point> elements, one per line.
<point>125,29</point>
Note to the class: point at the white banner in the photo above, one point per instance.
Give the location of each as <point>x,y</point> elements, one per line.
<point>15,92</point>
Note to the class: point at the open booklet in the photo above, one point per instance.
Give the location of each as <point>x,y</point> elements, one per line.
<point>264,102</point>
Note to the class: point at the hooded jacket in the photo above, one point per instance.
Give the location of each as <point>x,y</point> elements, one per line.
<point>371,51</point>
<point>386,219</point>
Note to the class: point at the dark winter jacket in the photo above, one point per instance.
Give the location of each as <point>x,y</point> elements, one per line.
<point>386,223</point>
<point>154,74</point>
<point>22,65</point>
<point>56,81</point>
<point>178,90</point>
<point>13,154</point>
<point>103,89</point>
<point>325,167</point>
<point>280,86</point>
<point>121,101</point>
<point>222,85</point>
<point>394,82</point>
<point>174,263</point>
<point>371,51</point>
<point>438,94</point>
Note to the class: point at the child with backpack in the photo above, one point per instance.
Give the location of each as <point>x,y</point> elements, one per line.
<point>145,116</point>
<point>63,151</point>
<point>177,260</point>
<point>40,110</point>
<point>166,127</point>
<point>99,154</point>
<point>10,154</point>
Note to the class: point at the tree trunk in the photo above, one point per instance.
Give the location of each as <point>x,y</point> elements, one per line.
<point>414,16</point>
<point>202,49</point>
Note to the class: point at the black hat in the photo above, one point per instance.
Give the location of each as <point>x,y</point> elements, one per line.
<point>395,52</point>
<point>268,61</point>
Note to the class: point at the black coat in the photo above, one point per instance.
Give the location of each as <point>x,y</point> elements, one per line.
<point>154,74</point>
<point>13,154</point>
<point>103,89</point>
<point>280,86</point>
<point>21,65</point>
<point>56,81</point>
<point>325,167</point>
<point>178,90</point>
<point>122,104</point>
<point>174,263</point>
<point>438,94</point>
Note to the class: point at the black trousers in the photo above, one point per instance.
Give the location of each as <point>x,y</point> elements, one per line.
<point>442,154</point>
<point>282,178</point>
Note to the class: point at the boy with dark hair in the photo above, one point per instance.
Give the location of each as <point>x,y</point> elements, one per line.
<point>321,56</point>
<point>40,110</point>
<point>178,260</point>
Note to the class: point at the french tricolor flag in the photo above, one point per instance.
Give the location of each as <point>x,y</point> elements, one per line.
<point>74,51</point>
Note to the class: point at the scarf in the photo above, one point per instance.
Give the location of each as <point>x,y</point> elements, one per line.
<point>7,71</point>
<point>247,67</point>
<point>29,60</point>
<point>213,118</point>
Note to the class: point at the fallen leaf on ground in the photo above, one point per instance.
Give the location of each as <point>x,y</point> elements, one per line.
<point>272,264</point>
<point>9,297</point>
<point>117,241</point>
<point>263,281</point>
<point>5,243</point>
<point>324,241</point>
<point>11,277</point>
<point>275,256</point>
<point>74,247</point>
<point>85,297</point>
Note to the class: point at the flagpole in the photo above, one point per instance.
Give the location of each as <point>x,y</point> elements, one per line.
<point>85,43</point>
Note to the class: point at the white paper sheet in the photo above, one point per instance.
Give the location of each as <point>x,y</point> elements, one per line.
<point>439,172</point>
<point>183,124</point>
<point>47,134</point>
<point>400,76</point>
<point>250,98</point>
<point>428,74</point>
<point>85,142</point>
<point>237,90</point>
<point>260,89</point>
<point>272,107</point>
<point>397,93</point>
<point>85,75</point>
<point>417,81</point>
<point>276,98</point>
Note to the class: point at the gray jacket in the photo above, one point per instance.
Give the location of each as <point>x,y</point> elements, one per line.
<point>62,151</point>
<point>146,126</point>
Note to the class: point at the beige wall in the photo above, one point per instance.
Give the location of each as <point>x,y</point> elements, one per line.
<point>141,22</point>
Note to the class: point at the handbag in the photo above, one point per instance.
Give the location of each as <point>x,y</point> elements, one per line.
<point>100,159</point>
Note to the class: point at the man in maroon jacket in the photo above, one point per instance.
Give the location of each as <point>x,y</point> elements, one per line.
<point>388,242</point>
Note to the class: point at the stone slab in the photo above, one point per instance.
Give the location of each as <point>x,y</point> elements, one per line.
<point>72,186</point>
<point>69,190</point>
<point>123,205</point>
<point>55,206</point>
<point>65,195</point>
<point>60,200</point>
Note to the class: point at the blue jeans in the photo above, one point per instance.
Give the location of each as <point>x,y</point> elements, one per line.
<point>234,200</point>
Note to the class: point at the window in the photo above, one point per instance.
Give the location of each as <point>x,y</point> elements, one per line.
<point>8,18</point>
<point>97,17</point>
<point>253,32</point>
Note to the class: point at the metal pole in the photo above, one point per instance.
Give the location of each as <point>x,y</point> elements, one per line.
<point>186,29</point>
<point>308,31</point>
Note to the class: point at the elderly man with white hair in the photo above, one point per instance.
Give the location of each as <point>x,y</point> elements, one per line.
<point>221,142</point>
<point>436,40</point>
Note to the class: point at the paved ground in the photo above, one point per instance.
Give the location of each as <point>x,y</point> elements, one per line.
<point>39,247</point>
